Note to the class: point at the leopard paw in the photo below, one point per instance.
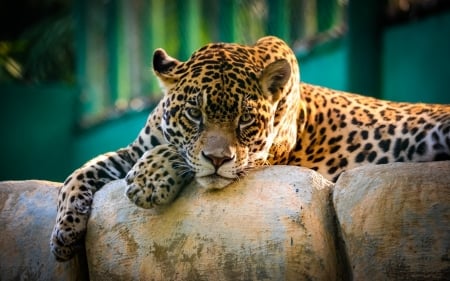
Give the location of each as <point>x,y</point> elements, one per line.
<point>157,177</point>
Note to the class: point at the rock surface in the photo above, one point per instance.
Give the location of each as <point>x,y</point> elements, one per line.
<point>27,216</point>
<point>395,221</point>
<point>274,224</point>
<point>387,222</point>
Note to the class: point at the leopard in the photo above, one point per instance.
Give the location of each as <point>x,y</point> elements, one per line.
<point>232,108</point>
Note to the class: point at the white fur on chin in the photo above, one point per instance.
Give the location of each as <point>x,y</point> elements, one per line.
<point>214,182</point>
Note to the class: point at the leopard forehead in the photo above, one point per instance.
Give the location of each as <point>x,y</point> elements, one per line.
<point>222,78</point>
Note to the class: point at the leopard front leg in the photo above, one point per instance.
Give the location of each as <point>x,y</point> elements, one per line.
<point>157,177</point>
<point>74,201</point>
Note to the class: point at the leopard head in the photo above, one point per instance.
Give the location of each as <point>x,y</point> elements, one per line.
<point>228,105</point>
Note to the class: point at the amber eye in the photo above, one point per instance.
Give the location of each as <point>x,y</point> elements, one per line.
<point>194,114</point>
<point>246,119</point>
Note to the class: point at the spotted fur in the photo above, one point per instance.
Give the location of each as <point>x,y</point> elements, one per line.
<point>231,108</point>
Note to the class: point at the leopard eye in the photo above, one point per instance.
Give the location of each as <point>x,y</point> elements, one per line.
<point>194,114</point>
<point>246,119</point>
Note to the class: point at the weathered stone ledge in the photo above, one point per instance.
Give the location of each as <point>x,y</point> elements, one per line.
<point>386,222</point>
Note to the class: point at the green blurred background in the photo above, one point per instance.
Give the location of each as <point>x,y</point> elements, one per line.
<point>76,81</point>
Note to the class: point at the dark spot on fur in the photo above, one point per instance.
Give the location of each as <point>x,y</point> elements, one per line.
<point>411,151</point>
<point>385,145</point>
<point>319,159</point>
<point>332,170</point>
<point>364,134</point>
<point>421,148</point>
<point>360,157</point>
<point>343,163</point>
<point>399,146</point>
<point>154,141</point>
<point>377,134</point>
<point>335,148</point>
<point>441,157</point>
<point>391,129</point>
<point>351,137</point>
<point>330,162</point>
<point>420,136</point>
<point>371,157</point>
<point>354,147</point>
<point>383,160</point>
<point>335,140</point>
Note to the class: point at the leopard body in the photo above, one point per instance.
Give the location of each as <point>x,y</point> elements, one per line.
<point>231,108</point>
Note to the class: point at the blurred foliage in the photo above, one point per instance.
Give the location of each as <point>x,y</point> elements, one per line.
<point>38,44</point>
<point>40,47</point>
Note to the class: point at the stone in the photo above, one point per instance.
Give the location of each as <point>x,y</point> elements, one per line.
<point>386,222</point>
<point>395,220</point>
<point>274,224</point>
<point>27,216</point>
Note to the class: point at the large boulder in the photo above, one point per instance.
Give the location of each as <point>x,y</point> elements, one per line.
<point>387,222</point>
<point>395,221</point>
<point>27,216</point>
<point>274,224</point>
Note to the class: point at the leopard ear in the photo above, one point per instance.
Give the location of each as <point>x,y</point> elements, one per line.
<point>274,77</point>
<point>163,66</point>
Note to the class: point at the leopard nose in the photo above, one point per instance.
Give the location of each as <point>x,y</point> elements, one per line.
<point>217,160</point>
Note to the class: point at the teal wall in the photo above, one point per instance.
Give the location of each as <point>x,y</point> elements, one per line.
<point>37,131</point>
<point>327,67</point>
<point>414,66</point>
<point>416,61</point>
